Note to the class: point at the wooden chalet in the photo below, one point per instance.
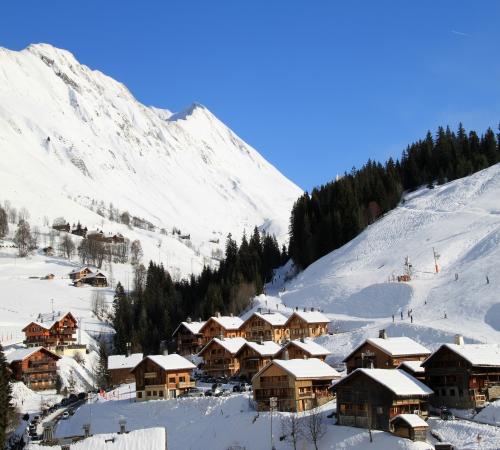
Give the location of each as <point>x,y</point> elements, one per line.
<point>298,384</point>
<point>162,376</point>
<point>385,353</point>
<point>79,273</point>
<point>301,349</point>
<point>96,279</point>
<point>36,367</point>
<point>120,366</point>
<point>464,375</point>
<point>414,368</point>
<point>98,235</point>
<point>117,238</point>
<point>221,326</point>
<point>302,324</point>
<point>264,327</point>
<point>253,356</point>
<point>79,230</point>
<point>51,330</point>
<point>409,426</point>
<point>219,356</point>
<point>187,336</point>
<point>370,398</point>
<point>62,227</point>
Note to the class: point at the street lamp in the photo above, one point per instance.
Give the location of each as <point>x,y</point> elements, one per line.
<point>273,403</point>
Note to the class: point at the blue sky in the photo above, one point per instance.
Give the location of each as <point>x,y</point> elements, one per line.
<point>316,86</point>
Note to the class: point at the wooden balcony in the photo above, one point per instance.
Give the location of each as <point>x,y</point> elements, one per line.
<point>186,385</point>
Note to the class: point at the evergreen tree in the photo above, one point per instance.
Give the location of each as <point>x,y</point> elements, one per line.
<point>6,408</point>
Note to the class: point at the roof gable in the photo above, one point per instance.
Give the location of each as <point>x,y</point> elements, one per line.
<point>232,345</point>
<point>226,322</point>
<point>124,361</point>
<point>303,369</point>
<point>393,347</point>
<point>309,317</point>
<point>484,355</point>
<point>169,362</point>
<point>308,346</point>
<point>274,319</point>
<point>266,348</point>
<point>23,353</point>
<point>192,327</point>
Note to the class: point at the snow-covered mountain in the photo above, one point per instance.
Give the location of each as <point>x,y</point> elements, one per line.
<point>354,284</point>
<point>72,137</point>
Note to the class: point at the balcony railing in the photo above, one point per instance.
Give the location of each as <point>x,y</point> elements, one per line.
<point>274,384</point>
<point>186,384</point>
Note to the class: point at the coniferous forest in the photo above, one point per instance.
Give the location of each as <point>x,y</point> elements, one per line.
<point>336,212</point>
<point>150,313</point>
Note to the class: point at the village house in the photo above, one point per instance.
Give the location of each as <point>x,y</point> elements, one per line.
<point>36,367</point>
<point>302,348</point>
<point>221,326</point>
<point>79,230</point>
<point>80,272</point>
<point>62,227</point>
<point>187,336</point>
<point>409,426</point>
<point>253,356</point>
<point>464,375</point>
<point>52,330</point>
<point>160,377</point>
<point>414,368</point>
<point>219,356</point>
<point>96,279</point>
<point>120,366</point>
<point>370,398</point>
<point>264,327</point>
<point>385,353</point>
<point>306,324</point>
<point>298,384</point>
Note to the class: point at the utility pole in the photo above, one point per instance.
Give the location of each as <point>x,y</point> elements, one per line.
<point>159,247</point>
<point>436,257</point>
<point>273,402</point>
<point>52,303</point>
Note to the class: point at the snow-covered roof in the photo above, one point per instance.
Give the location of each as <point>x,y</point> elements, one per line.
<point>172,362</point>
<point>476,354</point>
<point>394,346</point>
<point>398,381</point>
<point>193,327</point>
<point>124,361</point>
<point>228,322</point>
<point>305,368</point>
<point>23,353</point>
<point>411,419</point>
<point>311,316</point>
<point>275,319</point>
<point>78,270</point>
<point>94,275</point>
<point>232,345</point>
<point>266,348</point>
<point>48,320</point>
<point>309,346</point>
<point>414,366</point>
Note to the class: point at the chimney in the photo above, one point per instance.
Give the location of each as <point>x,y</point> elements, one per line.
<point>128,346</point>
<point>312,308</point>
<point>286,356</point>
<point>305,309</point>
<point>217,314</point>
<point>302,339</point>
<point>199,319</point>
<point>259,310</point>
<point>459,339</point>
<point>231,314</point>
<point>188,320</point>
<point>296,308</point>
<point>122,423</point>
<point>382,334</point>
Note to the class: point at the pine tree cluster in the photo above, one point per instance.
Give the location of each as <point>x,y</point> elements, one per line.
<point>6,408</point>
<point>148,316</point>
<point>335,213</point>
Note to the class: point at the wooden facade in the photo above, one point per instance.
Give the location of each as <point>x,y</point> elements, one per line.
<point>413,428</point>
<point>372,356</point>
<point>77,274</point>
<point>256,328</point>
<point>301,349</point>
<point>37,368</point>
<point>156,382</point>
<point>366,403</point>
<point>458,383</point>
<point>293,393</point>
<point>299,326</point>
<point>252,359</point>
<point>188,339</point>
<point>215,328</point>
<point>58,332</point>
<point>219,357</point>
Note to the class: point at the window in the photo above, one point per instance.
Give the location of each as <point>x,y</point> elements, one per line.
<point>161,393</point>
<point>139,394</point>
<point>182,379</point>
<point>452,392</point>
<point>148,393</point>
<point>443,392</point>
<point>171,379</point>
<point>155,393</point>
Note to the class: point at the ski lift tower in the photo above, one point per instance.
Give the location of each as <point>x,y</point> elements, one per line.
<point>436,257</point>
<point>408,268</point>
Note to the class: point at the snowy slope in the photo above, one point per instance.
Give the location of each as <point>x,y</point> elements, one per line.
<point>71,136</point>
<point>461,220</point>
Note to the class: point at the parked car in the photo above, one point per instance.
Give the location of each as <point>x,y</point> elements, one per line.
<point>65,415</point>
<point>26,417</point>
<point>209,393</point>
<point>71,411</point>
<point>226,392</point>
<point>446,414</point>
<point>82,396</point>
<point>72,398</point>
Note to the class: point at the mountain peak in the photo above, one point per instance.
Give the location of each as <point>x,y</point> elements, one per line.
<point>192,109</point>
<point>52,53</point>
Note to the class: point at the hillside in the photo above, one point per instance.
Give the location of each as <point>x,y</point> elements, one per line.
<point>74,141</point>
<point>461,221</point>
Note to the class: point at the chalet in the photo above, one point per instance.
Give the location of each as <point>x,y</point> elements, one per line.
<point>219,356</point>
<point>464,375</point>
<point>302,348</point>
<point>79,230</point>
<point>35,366</point>
<point>120,366</point>
<point>62,227</point>
<point>51,330</point>
<point>264,327</point>
<point>370,398</point>
<point>306,324</point>
<point>96,279</point>
<point>253,356</point>
<point>414,368</point>
<point>97,235</point>
<point>48,251</point>
<point>162,376</point>
<point>117,238</point>
<point>409,426</point>
<point>79,273</point>
<point>221,326</point>
<point>189,340</point>
<point>385,353</point>
<point>298,384</point>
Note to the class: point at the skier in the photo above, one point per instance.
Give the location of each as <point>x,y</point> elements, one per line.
<point>411,319</point>
<point>401,315</point>
<point>393,318</point>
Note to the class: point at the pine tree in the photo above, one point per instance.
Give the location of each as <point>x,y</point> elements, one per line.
<point>6,408</point>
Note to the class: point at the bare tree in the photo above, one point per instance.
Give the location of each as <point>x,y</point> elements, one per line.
<point>67,246</point>
<point>315,427</point>
<point>136,252</point>
<point>291,429</point>
<point>139,277</point>
<point>12,215</point>
<point>59,221</point>
<point>24,214</point>
<point>98,303</point>
<point>23,238</point>
<point>4,223</point>
<point>35,237</point>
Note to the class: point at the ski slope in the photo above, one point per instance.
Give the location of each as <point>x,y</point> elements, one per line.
<point>73,141</point>
<point>461,221</point>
